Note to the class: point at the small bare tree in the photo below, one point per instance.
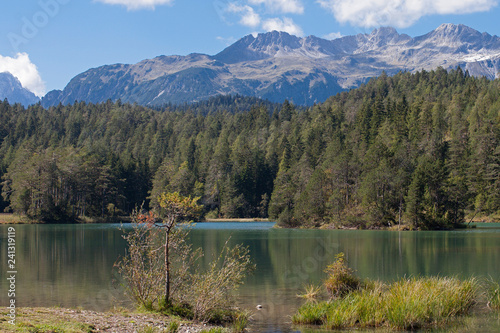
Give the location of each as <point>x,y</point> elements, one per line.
<point>143,267</point>
<point>161,268</point>
<point>174,207</point>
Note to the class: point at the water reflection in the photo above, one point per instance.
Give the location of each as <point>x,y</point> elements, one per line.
<point>68,265</point>
<point>71,265</point>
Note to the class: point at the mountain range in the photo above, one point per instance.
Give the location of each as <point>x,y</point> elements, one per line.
<point>278,66</point>
<point>12,90</point>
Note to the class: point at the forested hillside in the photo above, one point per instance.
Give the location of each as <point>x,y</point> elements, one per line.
<point>421,149</point>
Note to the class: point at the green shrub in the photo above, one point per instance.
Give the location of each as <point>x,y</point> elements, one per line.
<point>181,310</point>
<point>341,279</point>
<point>162,272</point>
<point>212,292</point>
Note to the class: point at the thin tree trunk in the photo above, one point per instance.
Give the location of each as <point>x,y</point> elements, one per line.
<point>167,268</point>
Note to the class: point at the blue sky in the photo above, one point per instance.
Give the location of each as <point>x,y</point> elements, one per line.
<point>45,43</point>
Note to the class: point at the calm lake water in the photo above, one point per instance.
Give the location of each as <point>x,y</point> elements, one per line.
<point>71,265</point>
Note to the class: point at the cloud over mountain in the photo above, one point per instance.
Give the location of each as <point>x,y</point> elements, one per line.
<point>261,14</point>
<point>399,13</point>
<point>13,91</point>
<point>137,4</point>
<point>282,6</point>
<point>25,71</point>
<point>286,24</point>
<point>248,15</point>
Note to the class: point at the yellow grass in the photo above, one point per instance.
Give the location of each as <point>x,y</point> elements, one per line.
<point>11,219</point>
<point>238,220</point>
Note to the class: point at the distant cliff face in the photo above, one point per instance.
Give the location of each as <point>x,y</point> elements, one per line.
<point>11,88</point>
<point>278,66</point>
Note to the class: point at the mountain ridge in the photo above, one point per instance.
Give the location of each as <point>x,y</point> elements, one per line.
<point>12,90</point>
<point>279,66</point>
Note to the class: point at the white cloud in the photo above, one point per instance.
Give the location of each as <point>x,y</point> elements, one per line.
<point>226,40</point>
<point>249,17</point>
<point>26,72</point>
<point>283,6</point>
<point>137,4</point>
<point>332,35</point>
<point>286,25</point>
<point>253,15</point>
<point>398,13</point>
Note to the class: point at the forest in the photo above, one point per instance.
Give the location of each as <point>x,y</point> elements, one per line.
<point>420,150</point>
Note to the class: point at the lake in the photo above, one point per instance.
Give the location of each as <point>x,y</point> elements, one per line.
<point>71,265</point>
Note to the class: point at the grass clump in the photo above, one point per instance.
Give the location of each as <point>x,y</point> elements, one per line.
<point>69,327</point>
<point>241,321</point>
<point>404,305</point>
<point>312,293</point>
<point>419,302</point>
<point>215,330</point>
<point>148,329</point>
<point>312,313</point>
<point>173,326</point>
<point>493,294</point>
<point>407,304</point>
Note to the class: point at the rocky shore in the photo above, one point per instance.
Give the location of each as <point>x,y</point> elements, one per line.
<point>76,320</point>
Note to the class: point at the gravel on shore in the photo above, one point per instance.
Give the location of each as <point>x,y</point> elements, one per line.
<point>119,321</point>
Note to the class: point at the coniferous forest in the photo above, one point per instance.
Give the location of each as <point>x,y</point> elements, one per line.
<point>418,149</point>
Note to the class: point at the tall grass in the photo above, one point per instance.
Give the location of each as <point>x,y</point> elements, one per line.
<point>312,313</point>
<point>406,304</point>
<point>241,321</point>
<point>173,326</point>
<point>419,302</point>
<point>493,294</point>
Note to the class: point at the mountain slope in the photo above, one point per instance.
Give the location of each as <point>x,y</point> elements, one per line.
<point>278,66</point>
<point>13,91</point>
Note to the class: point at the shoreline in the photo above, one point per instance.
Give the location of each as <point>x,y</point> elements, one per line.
<point>56,319</point>
<point>10,218</point>
<point>235,220</point>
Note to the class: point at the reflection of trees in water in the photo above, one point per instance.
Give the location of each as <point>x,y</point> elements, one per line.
<point>68,265</point>
<point>71,265</point>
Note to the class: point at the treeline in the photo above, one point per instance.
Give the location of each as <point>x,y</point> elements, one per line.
<point>418,149</point>
<point>221,103</point>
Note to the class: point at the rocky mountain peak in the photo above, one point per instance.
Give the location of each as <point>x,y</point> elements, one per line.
<point>379,38</point>
<point>384,32</point>
<point>265,45</point>
<point>279,39</point>
<point>454,29</point>
<point>453,35</point>
<point>12,89</point>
